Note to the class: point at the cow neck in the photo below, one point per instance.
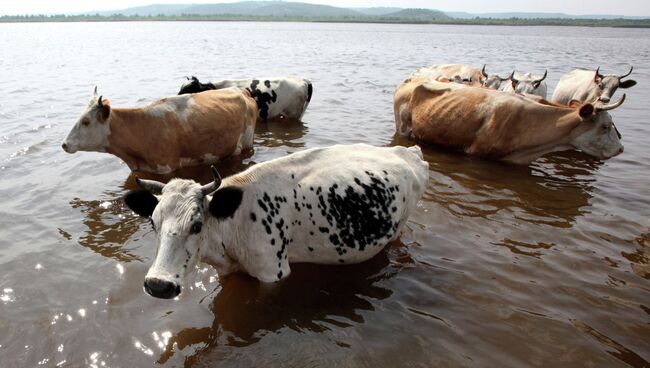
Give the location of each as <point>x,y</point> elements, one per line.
<point>556,137</point>
<point>127,126</point>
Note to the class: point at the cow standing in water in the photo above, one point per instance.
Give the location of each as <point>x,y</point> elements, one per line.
<point>169,133</point>
<point>503,126</point>
<point>335,205</point>
<point>286,97</point>
<point>527,83</point>
<point>586,85</point>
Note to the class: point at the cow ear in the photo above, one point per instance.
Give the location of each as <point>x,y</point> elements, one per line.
<point>586,110</point>
<point>225,202</point>
<point>627,84</point>
<point>104,110</point>
<point>141,202</point>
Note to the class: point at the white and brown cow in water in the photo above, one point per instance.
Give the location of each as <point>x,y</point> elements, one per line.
<point>285,97</point>
<point>586,85</point>
<point>335,205</point>
<point>170,133</point>
<point>503,126</point>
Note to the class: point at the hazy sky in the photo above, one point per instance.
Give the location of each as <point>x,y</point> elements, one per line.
<point>621,7</point>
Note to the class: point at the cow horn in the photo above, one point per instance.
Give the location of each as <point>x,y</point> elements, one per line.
<point>513,79</point>
<point>597,75</point>
<point>155,187</point>
<point>214,185</point>
<point>483,71</point>
<point>100,103</point>
<point>195,79</point>
<point>543,77</point>
<point>612,105</point>
<point>628,73</point>
<point>95,91</point>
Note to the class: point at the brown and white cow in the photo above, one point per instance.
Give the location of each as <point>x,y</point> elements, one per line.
<point>169,133</point>
<point>586,85</point>
<point>503,126</point>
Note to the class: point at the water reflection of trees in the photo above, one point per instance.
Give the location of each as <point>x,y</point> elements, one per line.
<point>314,298</point>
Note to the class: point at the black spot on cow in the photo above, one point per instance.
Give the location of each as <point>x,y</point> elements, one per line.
<point>263,99</point>
<point>141,202</point>
<point>280,275</point>
<point>253,217</point>
<point>194,86</point>
<point>310,249</point>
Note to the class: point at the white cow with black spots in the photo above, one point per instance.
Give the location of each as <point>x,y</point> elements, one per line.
<point>336,205</point>
<point>283,97</point>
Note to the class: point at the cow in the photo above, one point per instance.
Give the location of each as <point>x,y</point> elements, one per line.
<point>336,205</point>
<point>527,83</point>
<point>585,85</point>
<point>458,73</point>
<point>170,133</point>
<point>503,126</point>
<point>285,97</point>
<point>494,80</point>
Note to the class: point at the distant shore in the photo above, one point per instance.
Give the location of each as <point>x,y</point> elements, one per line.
<point>622,23</point>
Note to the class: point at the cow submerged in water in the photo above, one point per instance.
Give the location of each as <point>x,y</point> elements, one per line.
<point>336,205</point>
<point>169,133</point>
<point>503,126</point>
<point>283,97</point>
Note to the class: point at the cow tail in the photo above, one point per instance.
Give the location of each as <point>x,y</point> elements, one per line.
<point>310,90</point>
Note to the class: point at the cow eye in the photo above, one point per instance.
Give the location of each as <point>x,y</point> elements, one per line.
<point>196,228</point>
<point>85,122</point>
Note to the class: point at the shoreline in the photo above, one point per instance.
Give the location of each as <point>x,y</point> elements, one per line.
<point>515,22</point>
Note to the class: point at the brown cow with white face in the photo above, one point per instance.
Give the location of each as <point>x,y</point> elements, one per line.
<point>502,126</point>
<point>170,133</point>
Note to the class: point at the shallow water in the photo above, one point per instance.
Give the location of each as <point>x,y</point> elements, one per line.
<point>501,265</point>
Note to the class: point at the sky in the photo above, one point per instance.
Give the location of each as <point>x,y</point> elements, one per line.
<point>618,7</point>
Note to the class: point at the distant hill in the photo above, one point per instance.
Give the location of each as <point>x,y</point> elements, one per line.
<point>378,11</point>
<point>418,14</point>
<point>522,15</point>
<point>289,9</point>
<point>244,8</point>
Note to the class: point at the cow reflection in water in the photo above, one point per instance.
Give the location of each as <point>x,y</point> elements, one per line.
<point>313,299</point>
<point>289,134</point>
<point>554,190</point>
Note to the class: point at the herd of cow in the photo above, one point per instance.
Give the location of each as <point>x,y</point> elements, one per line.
<point>334,205</point>
<point>509,119</point>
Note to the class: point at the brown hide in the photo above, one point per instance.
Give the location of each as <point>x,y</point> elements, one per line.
<point>489,123</point>
<point>165,135</point>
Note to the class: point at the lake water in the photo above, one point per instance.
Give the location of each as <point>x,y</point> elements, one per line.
<point>500,266</point>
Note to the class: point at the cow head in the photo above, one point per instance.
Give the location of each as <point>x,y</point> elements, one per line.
<point>179,211</point>
<point>608,84</point>
<point>494,81</point>
<point>91,131</point>
<point>194,86</point>
<point>529,84</point>
<point>597,135</point>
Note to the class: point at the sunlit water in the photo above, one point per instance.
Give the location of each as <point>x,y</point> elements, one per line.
<point>500,265</point>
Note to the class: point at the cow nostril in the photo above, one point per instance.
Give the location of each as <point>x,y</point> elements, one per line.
<point>64,146</point>
<point>161,288</point>
<point>620,150</point>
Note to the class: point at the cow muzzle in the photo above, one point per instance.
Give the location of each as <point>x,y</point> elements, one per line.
<point>67,148</point>
<point>162,289</point>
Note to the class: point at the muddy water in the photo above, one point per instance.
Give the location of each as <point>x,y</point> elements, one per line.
<point>501,265</point>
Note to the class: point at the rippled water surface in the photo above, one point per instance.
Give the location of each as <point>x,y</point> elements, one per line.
<point>500,266</point>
